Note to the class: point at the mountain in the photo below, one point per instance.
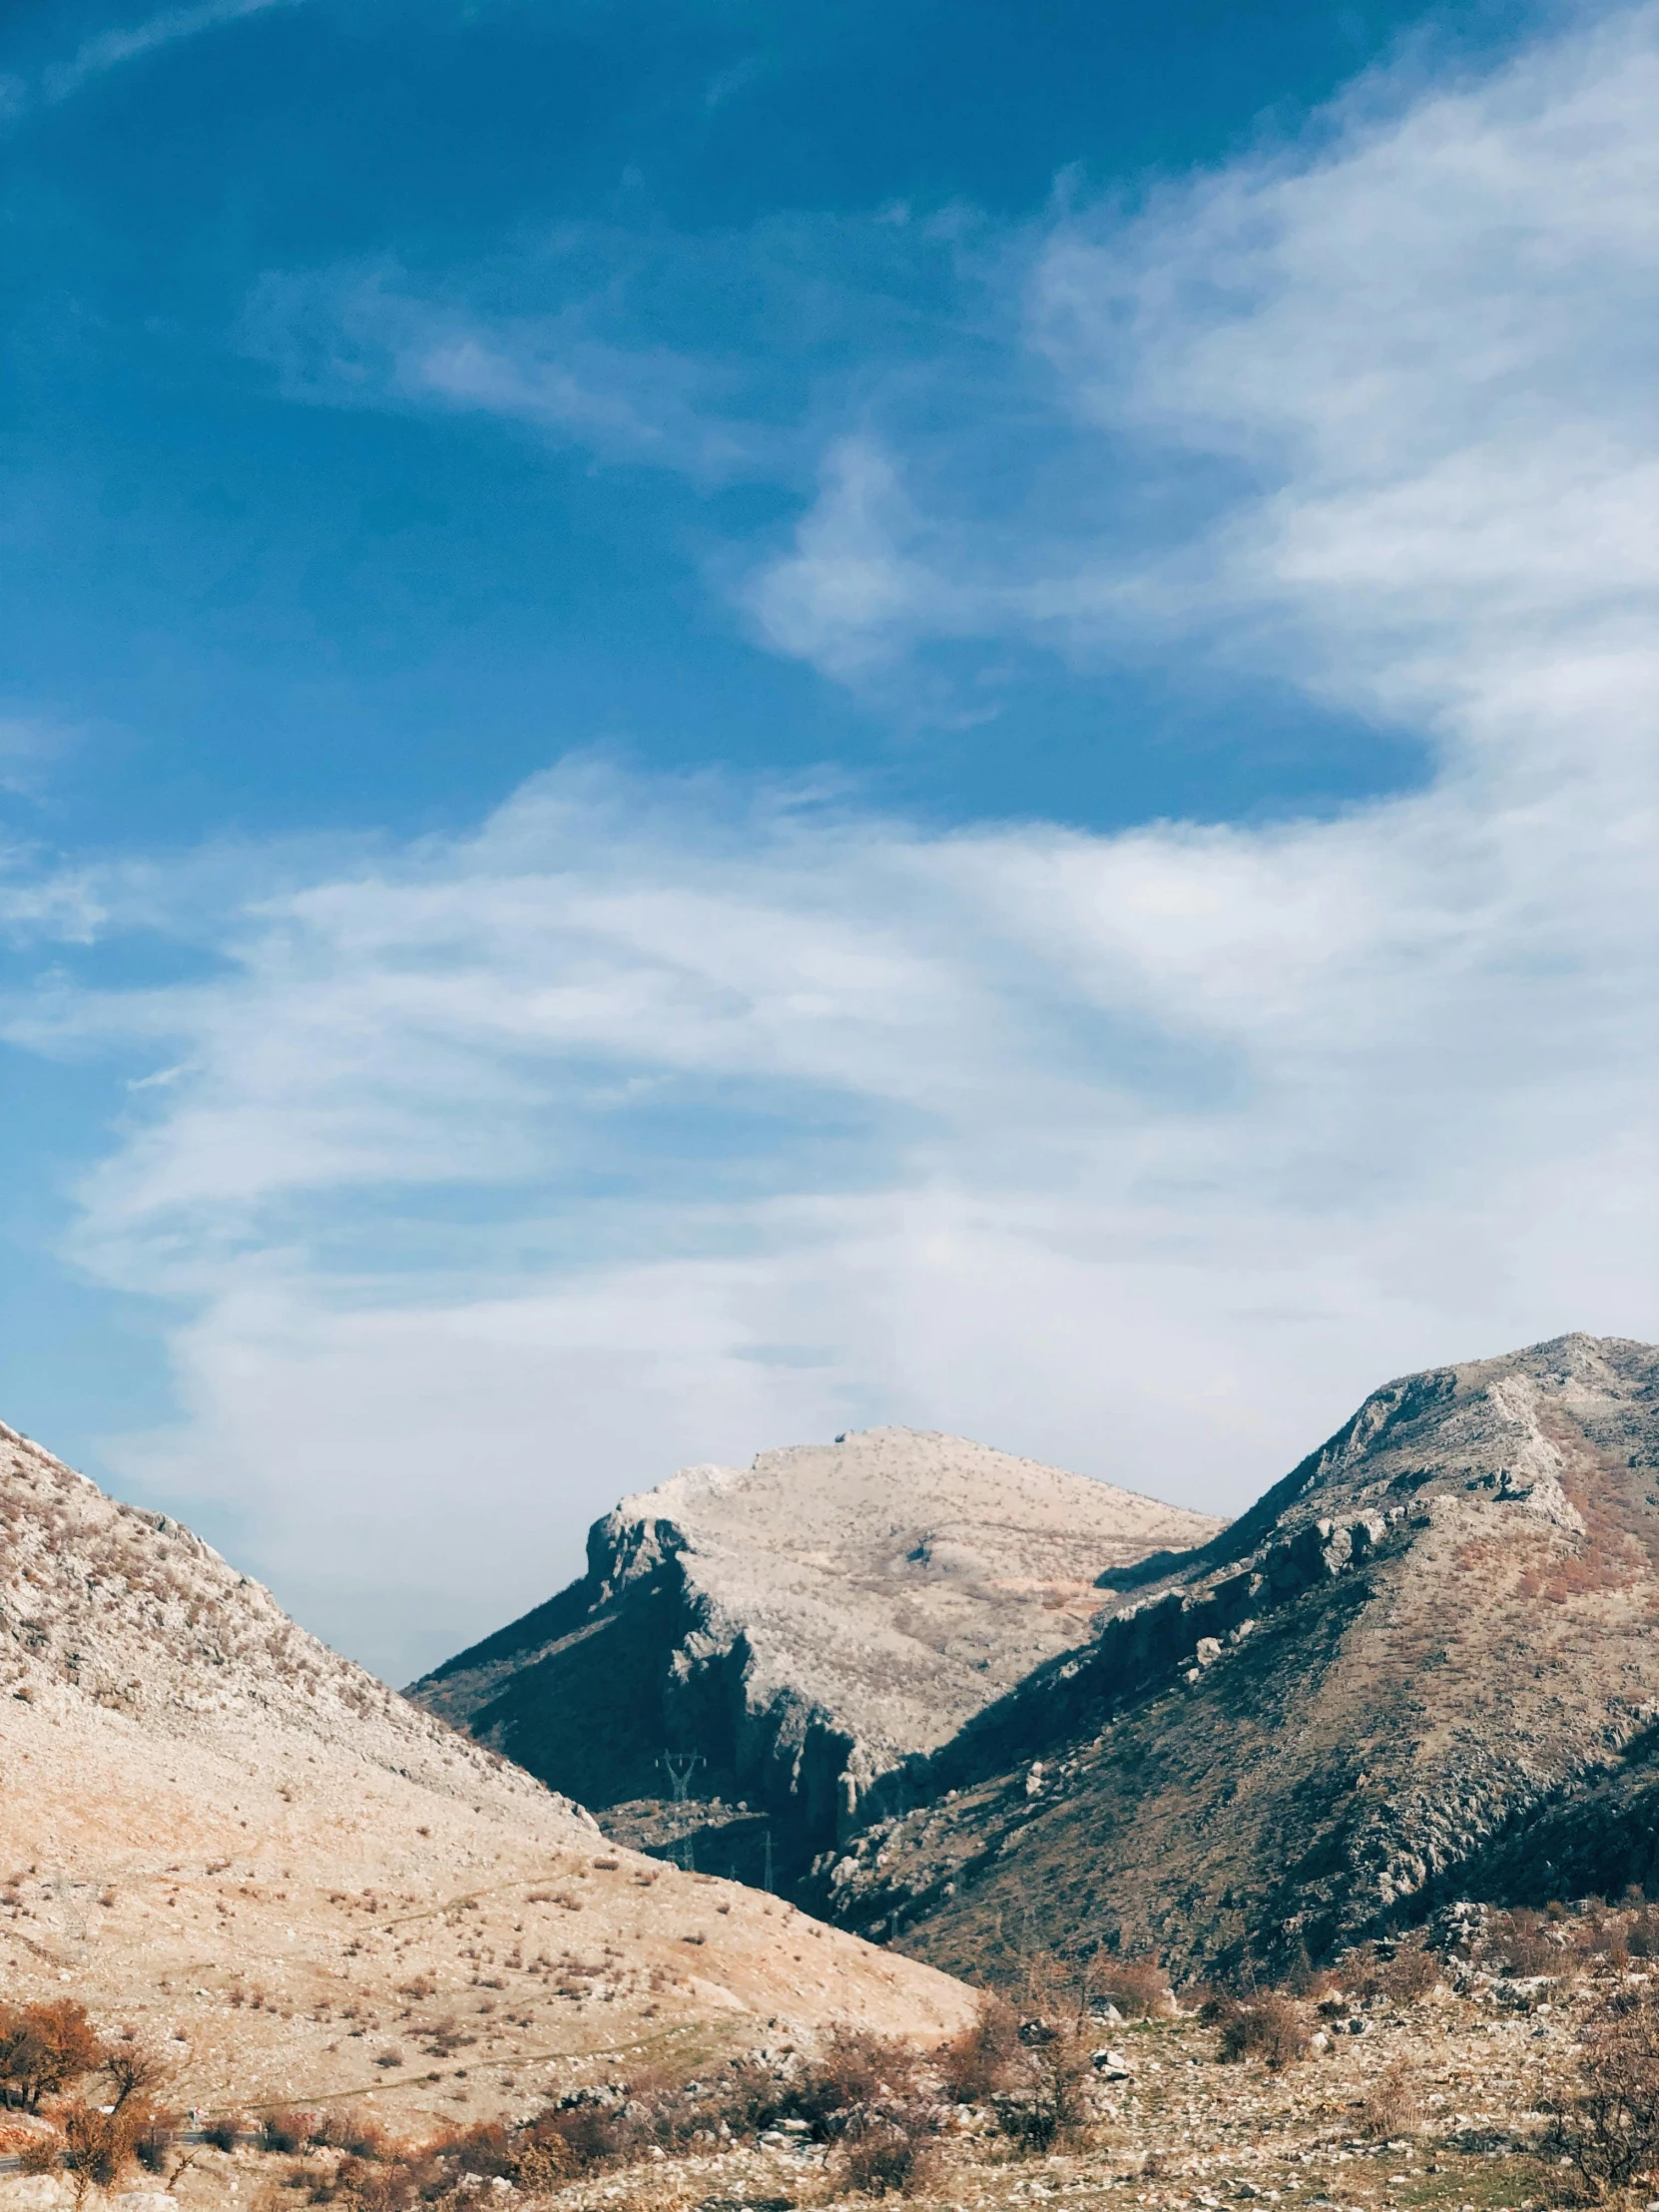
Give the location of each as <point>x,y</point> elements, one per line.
<point>804,1629</point>
<point>1423,1665</point>
<point>220,1834</point>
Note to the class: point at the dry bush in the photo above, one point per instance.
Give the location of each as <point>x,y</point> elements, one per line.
<point>586,2136</point>
<point>977,2061</point>
<point>1389,2106</point>
<point>1139,1987</point>
<point>361,2138</point>
<point>100,2145</point>
<point>152,2144</point>
<point>854,2066</point>
<point>1401,1975</point>
<point>367,2186</point>
<point>133,2070</point>
<point>1048,2096</point>
<point>40,2154</point>
<point>376,2178</point>
<point>1608,2125</point>
<point>285,2132</point>
<point>888,2152</point>
<point>542,2166</point>
<point>1267,2026</point>
<point>1410,1974</point>
<point>1518,1943</point>
<point>222,2134</point>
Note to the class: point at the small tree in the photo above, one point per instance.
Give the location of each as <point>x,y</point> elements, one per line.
<point>101,2146</point>
<point>43,2048</point>
<point>1046,2095</point>
<point>133,2072</point>
<point>1608,2125</point>
<point>977,2061</point>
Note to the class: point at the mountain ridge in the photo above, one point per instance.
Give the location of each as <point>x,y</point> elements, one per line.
<point>1294,1735</point>
<point>805,1627</point>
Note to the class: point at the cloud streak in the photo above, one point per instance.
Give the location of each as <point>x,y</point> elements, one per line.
<point>114,48</point>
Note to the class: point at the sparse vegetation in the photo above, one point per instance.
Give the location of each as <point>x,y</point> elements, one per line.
<point>1391,2105</point>
<point>976,2063</point>
<point>1606,2124</point>
<point>1265,2025</point>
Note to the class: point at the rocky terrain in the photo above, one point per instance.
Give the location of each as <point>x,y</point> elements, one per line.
<point>215,1832</point>
<point>1434,2100</point>
<point>803,1630</point>
<point>1423,1665</point>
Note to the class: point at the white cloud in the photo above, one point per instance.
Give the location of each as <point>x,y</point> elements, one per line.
<point>501,1172</point>
<point>859,585</point>
<point>111,49</point>
<point>373,337</point>
<point>1412,347</point>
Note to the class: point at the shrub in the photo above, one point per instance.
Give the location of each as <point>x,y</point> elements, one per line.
<point>1518,1943</point>
<point>1389,2105</point>
<point>152,2144</point>
<point>585,2135</point>
<point>886,2151</point>
<point>1268,2027</point>
<point>222,2134</point>
<point>977,2061</point>
<point>1139,1987</point>
<point>100,2145</point>
<point>132,2071</point>
<point>854,2066</point>
<point>1410,1974</point>
<point>1048,2096</point>
<point>285,2132</point>
<point>1608,2125</point>
<point>372,2187</point>
<point>40,2154</point>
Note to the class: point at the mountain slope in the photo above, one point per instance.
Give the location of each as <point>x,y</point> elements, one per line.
<point>217,1832</point>
<point>806,1626</point>
<point>1427,1651</point>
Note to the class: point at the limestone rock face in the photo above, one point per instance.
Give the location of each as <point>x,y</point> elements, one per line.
<point>807,1628</point>
<point>217,1832</point>
<point>1423,1665</point>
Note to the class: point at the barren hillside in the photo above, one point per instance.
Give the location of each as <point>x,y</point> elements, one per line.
<point>806,1626</point>
<point>1423,1665</point>
<point>217,1832</point>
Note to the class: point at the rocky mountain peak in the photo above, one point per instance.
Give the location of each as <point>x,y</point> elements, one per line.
<point>804,1626</point>
<point>1365,1689</point>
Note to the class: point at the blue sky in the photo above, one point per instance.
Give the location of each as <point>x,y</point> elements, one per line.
<point>719,722</point>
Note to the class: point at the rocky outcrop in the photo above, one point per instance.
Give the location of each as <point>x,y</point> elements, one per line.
<point>1422,1664</point>
<point>804,1630</point>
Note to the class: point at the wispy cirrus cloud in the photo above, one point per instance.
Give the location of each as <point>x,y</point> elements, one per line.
<point>1285,326</point>
<point>121,43</point>
<point>656,1121</point>
<point>371,337</point>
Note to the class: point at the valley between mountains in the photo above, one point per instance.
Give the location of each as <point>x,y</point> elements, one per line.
<point>892,1815</point>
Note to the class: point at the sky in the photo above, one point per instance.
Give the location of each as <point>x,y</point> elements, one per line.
<point>719,724</point>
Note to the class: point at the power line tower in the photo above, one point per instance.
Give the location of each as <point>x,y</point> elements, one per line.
<point>680,1766</point>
